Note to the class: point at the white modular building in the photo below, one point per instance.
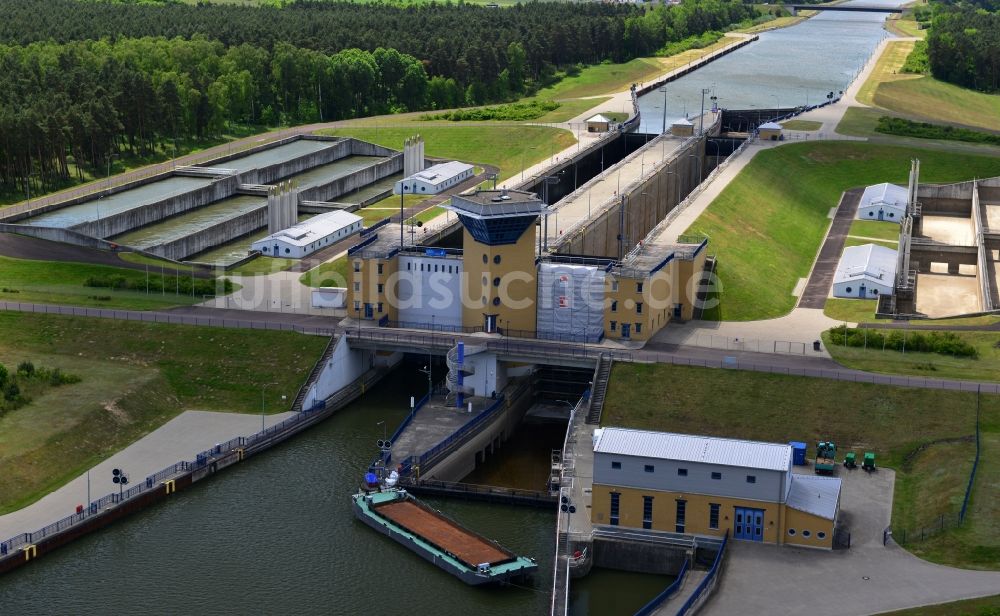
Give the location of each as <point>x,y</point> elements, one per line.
<point>883,202</point>
<point>434,179</point>
<point>310,235</point>
<point>865,272</point>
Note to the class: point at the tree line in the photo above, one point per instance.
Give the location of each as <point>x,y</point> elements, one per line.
<point>963,43</point>
<point>83,81</point>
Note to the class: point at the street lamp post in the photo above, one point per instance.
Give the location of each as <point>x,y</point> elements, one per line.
<point>664,90</point>
<point>701,120</point>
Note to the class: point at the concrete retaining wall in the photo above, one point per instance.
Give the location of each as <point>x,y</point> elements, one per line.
<point>83,199</point>
<point>157,211</point>
<point>638,557</point>
<point>212,236</point>
<point>272,174</point>
<point>54,234</point>
<point>484,444</point>
<point>641,212</point>
<point>353,181</point>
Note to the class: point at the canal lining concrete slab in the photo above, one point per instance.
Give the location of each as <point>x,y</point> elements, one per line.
<point>432,424</point>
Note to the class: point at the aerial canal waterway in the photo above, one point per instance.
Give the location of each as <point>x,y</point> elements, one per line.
<point>787,67</point>
<point>276,534</point>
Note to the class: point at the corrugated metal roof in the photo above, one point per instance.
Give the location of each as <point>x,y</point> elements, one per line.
<point>814,494</point>
<point>867,262</point>
<point>885,194</point>
<point>771,126</point>
<point>598,118</point>
<point>314,228</point>
<point>689,448</point>
<point>440,172</point>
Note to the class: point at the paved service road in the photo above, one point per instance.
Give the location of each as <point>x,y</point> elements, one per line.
<point>865,579</point>
<point>818,287</point>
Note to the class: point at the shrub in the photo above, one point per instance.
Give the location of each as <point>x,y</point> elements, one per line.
<point>942,343</point>
<point>160,284</point>
<point>11,392</point>
<point>925,130</point>
<point>26,369</point>
<point>3,375</point>
<point>917,62</point>
<point>510,112</point>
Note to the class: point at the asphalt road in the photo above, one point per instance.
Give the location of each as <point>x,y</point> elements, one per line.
<point>818,287</point>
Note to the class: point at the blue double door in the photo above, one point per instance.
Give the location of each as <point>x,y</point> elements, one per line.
<point>748,524</point>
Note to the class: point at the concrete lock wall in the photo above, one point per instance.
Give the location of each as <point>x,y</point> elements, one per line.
<point>278,171</point>
<point>157,211</point>
<point>483,444</point>
<point>353,181</point>
<point>599,237</point>
<point>212,236</point>
<point>638,557</point>
<point>56,234</point>
<point>947,199</point>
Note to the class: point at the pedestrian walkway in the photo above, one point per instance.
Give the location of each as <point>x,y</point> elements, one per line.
<point>825,266</point>
<point>793,333</point>
<point>181,438</point>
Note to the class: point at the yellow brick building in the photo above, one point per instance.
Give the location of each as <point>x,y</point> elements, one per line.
<point>502,281</point>
<point>705,486</point>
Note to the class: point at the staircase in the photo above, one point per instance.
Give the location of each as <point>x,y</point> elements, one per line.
<point>600,388</point>
<point>314,374</point>
<point>454,367</point>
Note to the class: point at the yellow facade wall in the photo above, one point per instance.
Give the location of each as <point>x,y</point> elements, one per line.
<point>801,521</point>
<point>665,509</point>
<point>368,285</point>
<point>518,288</point>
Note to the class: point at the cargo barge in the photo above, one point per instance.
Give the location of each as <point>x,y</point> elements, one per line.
<point>440,540</point>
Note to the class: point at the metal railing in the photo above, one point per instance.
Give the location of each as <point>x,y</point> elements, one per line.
<point>163,317</point>
<point>701,593</point>
<point>221,453</point>
<point>661,598</point>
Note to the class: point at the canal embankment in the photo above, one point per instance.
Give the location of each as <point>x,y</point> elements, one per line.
<point>25,547</point>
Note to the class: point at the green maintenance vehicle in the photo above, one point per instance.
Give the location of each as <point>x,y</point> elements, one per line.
<point>826,457</point>
<point>869,461</point>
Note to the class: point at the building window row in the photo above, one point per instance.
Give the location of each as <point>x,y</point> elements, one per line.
<point>614,511</point>
<point>806,534</point>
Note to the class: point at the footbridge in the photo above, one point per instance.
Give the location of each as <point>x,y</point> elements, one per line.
<point>853,8</point>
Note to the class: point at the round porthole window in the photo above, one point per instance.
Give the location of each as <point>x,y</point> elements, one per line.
<point>496,301</point>
<point>791,532</point>
<point>848,289</point>
<point>486,281</point>
<point>496,281</point>
<point>265,249</point>
<point>496,259</point>
<point>821,535</point>
<point>486,259</point>
<point>287,250</point>
<point>871,214</point>
<point>806,534</point>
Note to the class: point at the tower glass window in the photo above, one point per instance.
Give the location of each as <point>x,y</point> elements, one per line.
<point>614,510</point>
<point>713,515</point>
<point>681,516</point>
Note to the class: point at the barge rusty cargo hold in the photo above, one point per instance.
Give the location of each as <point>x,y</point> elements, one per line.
<point>439,539</point>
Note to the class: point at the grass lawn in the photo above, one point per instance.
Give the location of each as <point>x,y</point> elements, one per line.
<point>971,607</point>
<point>921,97</point>
<point>906,27</point>
<point>859,241</point>
<point>931,365</point>
<point>767,225</point>
<point>802,125</point>
<point>886,69</point>
<point>928,99</point>
<point>52,282</point>
<point>330,274</point>
<point>850,310</point>
<point>894,422</point>
<point>135,377</point>
<point>261,266</point>
<point>141,259</point>
<point>507,147</point>
<point>875,228</point>
<point>570,108</point>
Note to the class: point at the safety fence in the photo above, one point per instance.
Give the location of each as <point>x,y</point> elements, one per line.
<point>384,458</point>
<point>567,472</point>
<point>945,521</point>
<point>206,462</point>
<point>780,367</point>
<point>708,583</point>
<point>670,591</point>
<point>166,317</point>
<point>478,492</point>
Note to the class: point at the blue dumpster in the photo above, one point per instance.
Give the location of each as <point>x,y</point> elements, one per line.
<point>798,453</point>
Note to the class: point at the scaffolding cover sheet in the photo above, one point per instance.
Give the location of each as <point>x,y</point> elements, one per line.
<point>570,302</point>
